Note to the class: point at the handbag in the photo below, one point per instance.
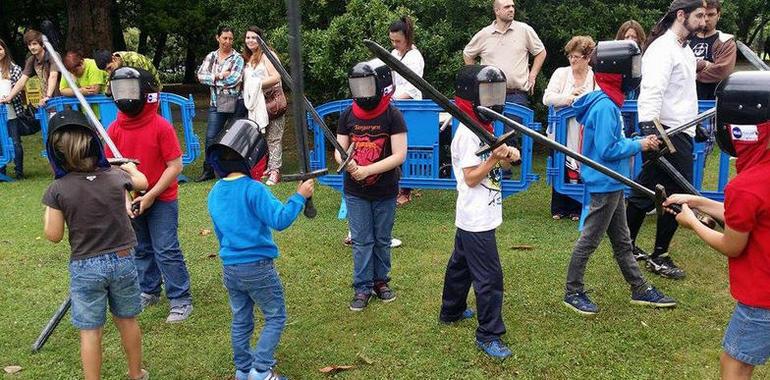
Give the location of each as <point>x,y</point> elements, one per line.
<point>27,124</point>
<point>275,102</point>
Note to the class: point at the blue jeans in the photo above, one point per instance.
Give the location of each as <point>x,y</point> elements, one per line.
<point>215,122</point>
<point>18,156</point>
<point>99,280</point>
<point>747,337</point>
<point>371,224</point>
<point>159,258</point>
<point>247,285</point>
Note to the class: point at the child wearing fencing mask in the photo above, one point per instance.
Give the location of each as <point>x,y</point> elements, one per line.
<point>90,197</point>
<point>475,260</point>
<point>371,182</point>
<point>742,131</point>
<point>245,212</point>
<point>617,69</point>
<point>140,132</point>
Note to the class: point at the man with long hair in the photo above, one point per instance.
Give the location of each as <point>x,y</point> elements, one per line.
<point>668,72</point>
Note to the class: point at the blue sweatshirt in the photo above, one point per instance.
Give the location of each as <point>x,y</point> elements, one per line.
<point>603,141</point>
<point>245,212</point>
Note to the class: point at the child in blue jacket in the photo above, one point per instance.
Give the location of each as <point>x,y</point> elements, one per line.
<point>604,142</point>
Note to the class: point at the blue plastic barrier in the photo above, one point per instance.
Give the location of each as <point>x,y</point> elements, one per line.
<point>421,167</point>
<point>555,171</point>
<point>108,112</point>
<point>6,144</point>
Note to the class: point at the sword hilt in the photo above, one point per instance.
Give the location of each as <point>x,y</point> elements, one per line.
<point>348,157</point>
<point>310,210</point>
<point>660,197</point>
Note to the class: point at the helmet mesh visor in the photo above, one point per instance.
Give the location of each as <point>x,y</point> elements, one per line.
<point>127,89</point>
<point>491,94</point>
<point>363,87</point>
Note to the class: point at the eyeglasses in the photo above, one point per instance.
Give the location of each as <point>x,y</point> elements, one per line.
<point>572,56</point>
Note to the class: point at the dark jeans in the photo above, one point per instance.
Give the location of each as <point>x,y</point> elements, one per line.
<point>639,204</point>
<point>606,214</point>
<point>158,256</point>
<point>215,122</point>
<point>475,261</point>
<point>18,155</point>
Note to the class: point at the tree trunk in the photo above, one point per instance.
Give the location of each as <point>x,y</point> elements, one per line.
<point>89,25</point>
<point>118,40</point>
<point>190,76</point>
<point>142,47</point>
<point>160,49</point>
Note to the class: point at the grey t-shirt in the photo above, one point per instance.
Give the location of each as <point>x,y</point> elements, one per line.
<point>94,209</point>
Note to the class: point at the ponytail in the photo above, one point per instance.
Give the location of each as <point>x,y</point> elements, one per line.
<point>405,26</point>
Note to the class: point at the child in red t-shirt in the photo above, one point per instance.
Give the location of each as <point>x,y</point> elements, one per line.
<point>746,243</point>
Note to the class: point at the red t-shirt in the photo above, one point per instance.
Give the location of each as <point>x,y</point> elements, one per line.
<point>150,139</point>
<point>747,210</point>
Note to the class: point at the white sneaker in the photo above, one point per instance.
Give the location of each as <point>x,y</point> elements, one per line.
<point>179,313</point>
<point>394,243</point>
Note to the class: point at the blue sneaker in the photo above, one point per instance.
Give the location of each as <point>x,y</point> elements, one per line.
<point>496,349</point>
<point>580,303</point>
<point>240,375</point>
<point>652,297</point>
<point>267,375</point>
<point>467,314</point>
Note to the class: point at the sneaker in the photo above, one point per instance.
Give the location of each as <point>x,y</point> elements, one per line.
<point>144,376</point>
<point>395,243</point>
<point>652,297</point>
<point>496,349</point>
<point>384,293</point>
<point>179,313</point>
<point>360,301</point>
<point>467,314</point>
<point>148,300</point>
<point>267,375</point>
<point>665,267</point>
<point>273,178</point>
<point>580,303</point>
<point>640,254</point>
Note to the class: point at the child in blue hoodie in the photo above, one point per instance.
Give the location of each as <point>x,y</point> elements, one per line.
<point>245,212</point>
<point>604,142</point>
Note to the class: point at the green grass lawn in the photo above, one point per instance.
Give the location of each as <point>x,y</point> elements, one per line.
<point>403,339</point>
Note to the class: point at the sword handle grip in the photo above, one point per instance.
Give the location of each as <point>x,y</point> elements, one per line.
<point>705,219</point>
<point>310,210</point>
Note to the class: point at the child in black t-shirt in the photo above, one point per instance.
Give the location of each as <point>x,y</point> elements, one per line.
<point>91,198</point>
<point>370,190</point>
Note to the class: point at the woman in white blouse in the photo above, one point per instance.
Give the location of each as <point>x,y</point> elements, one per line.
<point>401,34</point>
<point>566,85</point>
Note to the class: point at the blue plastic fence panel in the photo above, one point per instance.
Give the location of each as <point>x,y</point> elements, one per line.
<point>558,122</point>
<point>108,112</point>
<point>421,167</point>
<point>6,144</point>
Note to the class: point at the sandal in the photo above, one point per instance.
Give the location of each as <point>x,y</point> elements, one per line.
<point>574,217</point>
<point>404,197</point>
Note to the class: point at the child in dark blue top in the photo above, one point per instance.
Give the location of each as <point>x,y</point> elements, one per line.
<point>245,212</point>
<point>603,142</point>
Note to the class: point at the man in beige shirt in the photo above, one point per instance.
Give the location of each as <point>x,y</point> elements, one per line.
<point>508,44</point>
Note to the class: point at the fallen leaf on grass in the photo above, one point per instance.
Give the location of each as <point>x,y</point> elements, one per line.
<point>204,232</point>
<point>331,370</point>
<point>522,247</point>
<point>11,369</point>
<point>644,324</point>
<point>212,255</point>
<point>364,358</point>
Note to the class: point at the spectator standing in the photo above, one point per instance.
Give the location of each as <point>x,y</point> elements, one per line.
<point>222,71</point>
<point>10,74</point>
<point>566,85</point>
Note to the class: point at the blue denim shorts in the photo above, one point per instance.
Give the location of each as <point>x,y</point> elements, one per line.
<point>99,280</point>
<point>747,337</point>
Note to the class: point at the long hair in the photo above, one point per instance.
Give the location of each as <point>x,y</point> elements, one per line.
<point>405,26</point>
<point>248,54</point>
<point>74,144</point>
<point>6,62</point>
<point>632,24</point>
<point>668,19</point>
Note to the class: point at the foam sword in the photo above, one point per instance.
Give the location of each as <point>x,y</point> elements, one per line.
<point>658,195</point>
<point>421,84</point>
<point>298,107</point>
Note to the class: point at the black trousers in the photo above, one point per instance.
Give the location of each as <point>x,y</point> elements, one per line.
<point>651,175</point>
<point>475,261</point>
